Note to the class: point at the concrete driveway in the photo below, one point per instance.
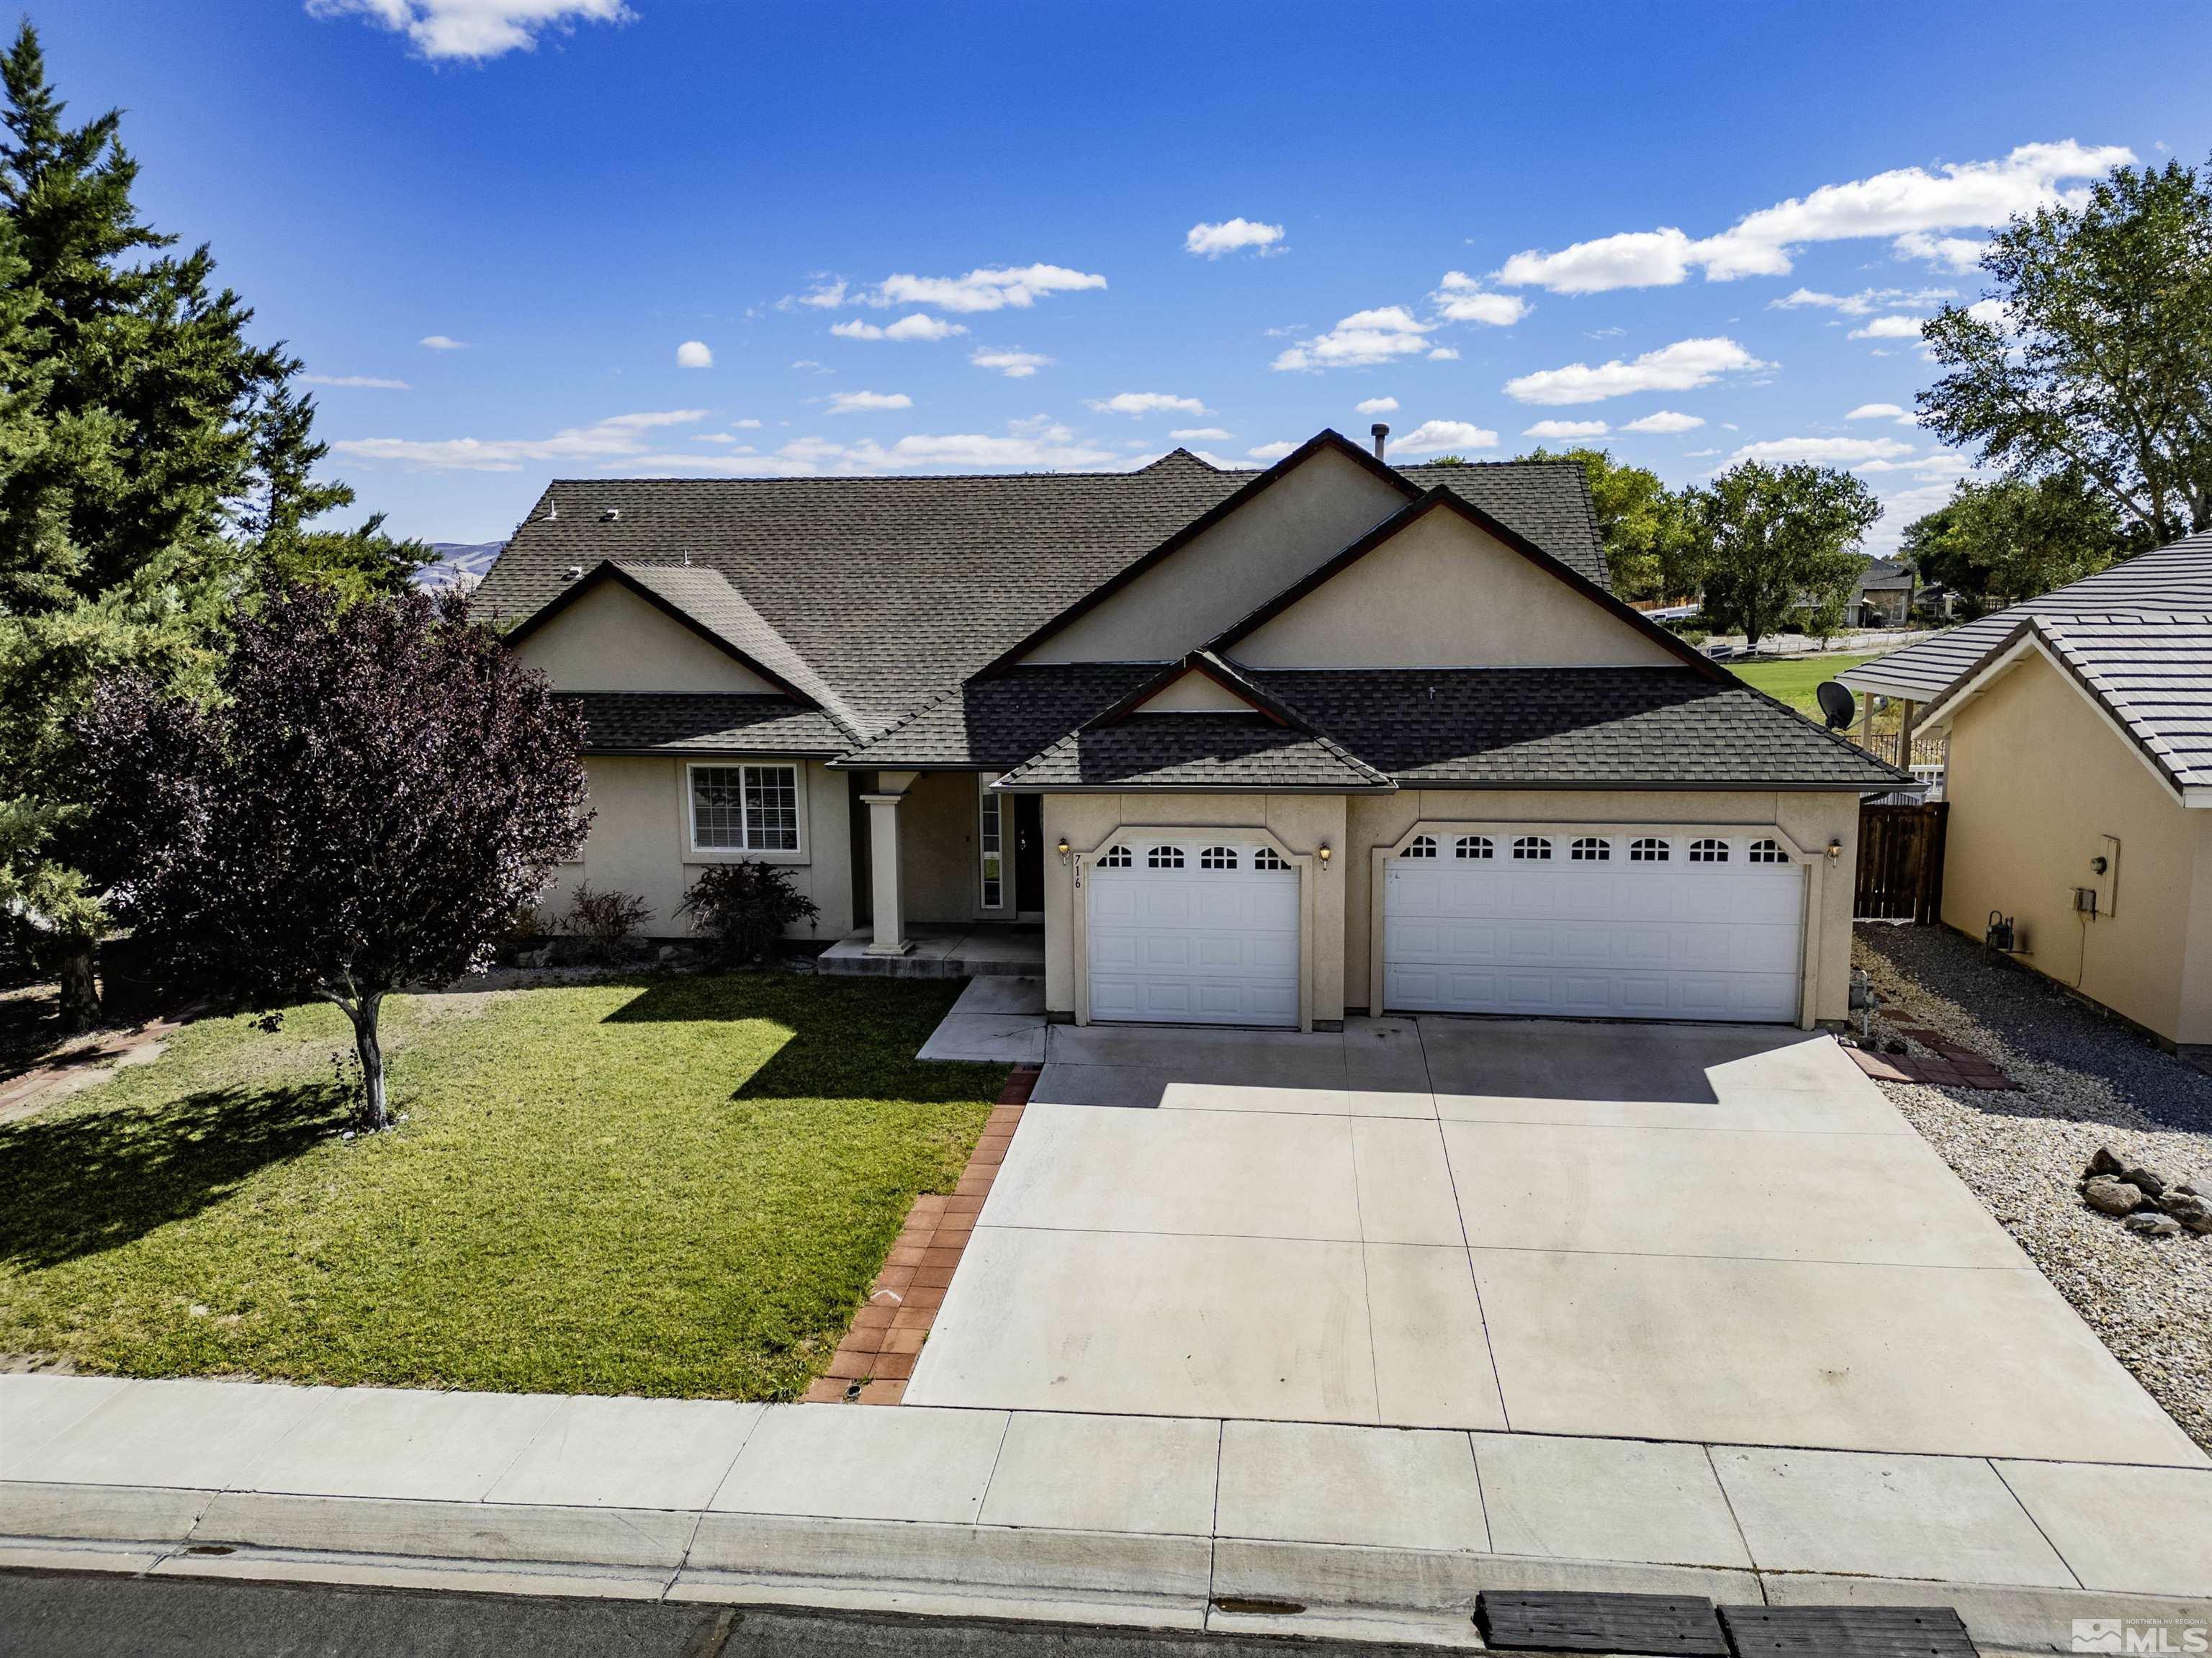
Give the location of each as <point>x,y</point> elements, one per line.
<point>1707,1233</point>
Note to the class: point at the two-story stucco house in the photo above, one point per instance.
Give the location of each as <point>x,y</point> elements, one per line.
<point>1249,748</point>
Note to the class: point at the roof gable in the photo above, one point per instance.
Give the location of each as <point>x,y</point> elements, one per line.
<point>1276,525</point>
<point>608,632</point>
<point>1442,580</point>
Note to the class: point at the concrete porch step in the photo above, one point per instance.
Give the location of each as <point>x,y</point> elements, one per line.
<point>942,953</point>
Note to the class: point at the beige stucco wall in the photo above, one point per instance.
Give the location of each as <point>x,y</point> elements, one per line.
<point>937,859</point>
<point>639,843</point>
<point>1811,820</point>
<point>1223,575</point>
<point>1303,823</point>
<point>610,640</point>
<point>1444,593</point>
<point>2038,778</point>
<point>1195,692</point>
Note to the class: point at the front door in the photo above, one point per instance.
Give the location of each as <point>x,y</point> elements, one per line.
<point>1029,857</point>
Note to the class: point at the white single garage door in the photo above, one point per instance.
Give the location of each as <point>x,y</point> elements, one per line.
<point>1592,924</point>
<point>1199,931</point>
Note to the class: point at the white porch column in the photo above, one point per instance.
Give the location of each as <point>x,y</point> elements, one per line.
<point>890,887</point>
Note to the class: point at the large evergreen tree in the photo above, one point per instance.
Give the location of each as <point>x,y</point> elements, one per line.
<point>154,464</point>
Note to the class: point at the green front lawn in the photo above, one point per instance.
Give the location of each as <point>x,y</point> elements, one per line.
<point>664,1184</point>
<point>1792,680</point>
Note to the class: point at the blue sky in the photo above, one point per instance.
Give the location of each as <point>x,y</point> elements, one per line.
<point>502,233</point>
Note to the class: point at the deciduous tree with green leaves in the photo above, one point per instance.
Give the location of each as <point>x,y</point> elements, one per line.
<point>1995,544</point>
<point>1639,520</point>
<point>155,463</point>
<point>2092,356</point>
<point>1771,543</point>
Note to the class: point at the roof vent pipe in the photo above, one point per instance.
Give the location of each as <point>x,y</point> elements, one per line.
<point>1381,433</point>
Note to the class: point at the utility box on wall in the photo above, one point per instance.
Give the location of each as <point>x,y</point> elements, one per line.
<point>2096,885</point>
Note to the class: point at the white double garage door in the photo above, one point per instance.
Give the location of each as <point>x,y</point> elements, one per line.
<point>1591,923</point>
<point>1594,923</point>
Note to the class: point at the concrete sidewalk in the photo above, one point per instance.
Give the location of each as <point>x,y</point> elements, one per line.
<point>1157,1521</point>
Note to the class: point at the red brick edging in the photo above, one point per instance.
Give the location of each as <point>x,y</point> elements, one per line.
<point>872,1363</point>
<point>1946,1065</point>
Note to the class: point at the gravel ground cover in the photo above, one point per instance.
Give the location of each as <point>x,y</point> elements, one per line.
<point>2087,1081</point>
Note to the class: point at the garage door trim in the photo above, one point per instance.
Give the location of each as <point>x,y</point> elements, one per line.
<point>1083,860</point>
<point>1812,860</point>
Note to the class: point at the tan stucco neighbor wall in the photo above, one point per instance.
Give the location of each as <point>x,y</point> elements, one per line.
<point>1223,574</point>
<point>1811,820</point>
<point>1302,824</point>
<point>2038,777</point>
<point>640,842</point>
<point>938,821</point>
<point>1444,593</point>
<point>610,640</point>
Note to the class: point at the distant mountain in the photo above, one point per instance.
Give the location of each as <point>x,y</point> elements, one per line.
<point>460,563</point>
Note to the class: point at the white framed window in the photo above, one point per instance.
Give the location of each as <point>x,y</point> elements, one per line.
<point>1164,858</point>
<point>745,808</point>
<point>1474,846</point>
<point>990,852</point>
<point>1767,852</point>
<point>1532,849</point>
<point>1115,858</point>
<point>1421,846</point>
<point>1217,858</point>
<point>1269,858</point>
<point>1591,849</point>
<point>1649,849</point>
<point>1709,851</point>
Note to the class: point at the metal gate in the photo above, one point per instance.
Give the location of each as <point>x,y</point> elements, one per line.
<point>1900,875</point>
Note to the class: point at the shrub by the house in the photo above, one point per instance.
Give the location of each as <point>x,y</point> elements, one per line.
<point>744,908</point>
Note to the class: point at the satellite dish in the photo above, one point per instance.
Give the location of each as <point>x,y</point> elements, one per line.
<point>1837,703</point>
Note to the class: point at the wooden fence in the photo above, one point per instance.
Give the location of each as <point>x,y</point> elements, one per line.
<point>1900,876</point>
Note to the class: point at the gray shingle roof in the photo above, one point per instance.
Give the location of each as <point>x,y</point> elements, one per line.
<point>893,590</point>
<point>633,722</point>
<point>1573,727</point>
<point>2154,671</point>
<point>707,599</point>
<point>996,723</point>
<point>1197,751</point>
<point>2175,577</point>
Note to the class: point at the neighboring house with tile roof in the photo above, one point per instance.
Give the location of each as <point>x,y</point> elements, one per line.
<point>2078,730</point>
<point>1248,747</point>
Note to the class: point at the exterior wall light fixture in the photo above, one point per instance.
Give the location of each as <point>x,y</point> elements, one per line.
<point>1835,851</point>
<point>1062,848</point>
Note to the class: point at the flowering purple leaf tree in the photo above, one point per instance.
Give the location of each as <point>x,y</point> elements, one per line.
<point>367,800</point>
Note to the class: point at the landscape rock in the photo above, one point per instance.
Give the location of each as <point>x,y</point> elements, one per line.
<point>2105,1161</point>
<point>2113,1197</point>
<point>2149,1183</point>
<point>2152,1224</point>
<point>2191,1210</point>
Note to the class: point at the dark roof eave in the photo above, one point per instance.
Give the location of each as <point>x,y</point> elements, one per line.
<point>1012,787</point>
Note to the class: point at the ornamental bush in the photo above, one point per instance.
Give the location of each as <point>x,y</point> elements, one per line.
<point>743,908</point>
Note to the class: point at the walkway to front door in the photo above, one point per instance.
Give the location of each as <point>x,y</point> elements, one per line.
<point>1682,1232</point>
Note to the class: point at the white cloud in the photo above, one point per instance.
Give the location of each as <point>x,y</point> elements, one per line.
<point>1360,340</point>
<point>1459,298</point>
<point>358,382</point>
<point>1211,241</point>
<point>1014,365</point>
<point>444,343</point>
<point>1665,420</point>
<point>1435,436</point>
<point>1200,434</point>
<point>827,297</point>
<point>1902,415</point>
<point>694,353</point>
<point>1992,312</point>
<point>619,438</point>
<point>1271,450</point>
<point>1905,205</point>
<point>1864,303</point>
<point>1034,446</point>
<point>1682,367</point>
<point>1444,354</point>
<point>863,402</point>
<point>1825,452</point>
<point>1376,406</point>
<point>748,424</point>
<point>1890,328</point>
<point>995,289</point>
<point>1958,253</point>
<point>1147,403</point>
<point>918,326</point>
<point>1567,428</point>
<point>1942,463</point>
<point>474,28</point>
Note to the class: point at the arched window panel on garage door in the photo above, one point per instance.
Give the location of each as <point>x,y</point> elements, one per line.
<point>1672,929</point>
